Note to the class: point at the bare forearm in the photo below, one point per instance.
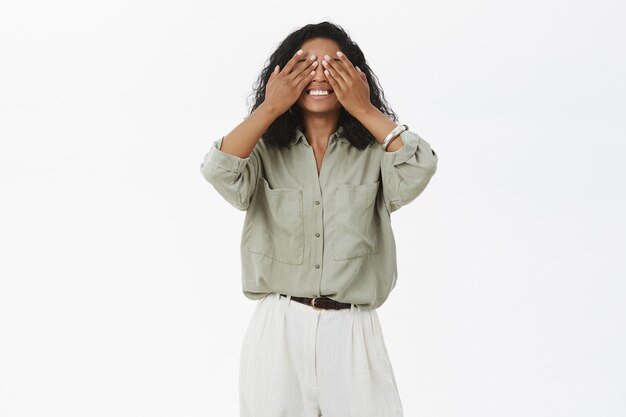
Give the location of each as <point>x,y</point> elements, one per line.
<point>380,125</point>
<point>241,140</point>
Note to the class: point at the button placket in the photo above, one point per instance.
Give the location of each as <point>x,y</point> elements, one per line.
<point>319,224</point>
<point>318,207</point>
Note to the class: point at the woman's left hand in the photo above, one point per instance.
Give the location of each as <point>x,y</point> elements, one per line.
<point>349,83</point>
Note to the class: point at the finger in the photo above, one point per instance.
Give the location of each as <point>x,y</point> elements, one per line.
<point>306,75</point>
<point>332,73</point>
<point>273,74</point>
<point>335,68</point>
<point>305,79</point>
<point>333,83</point>
<point>292,62</point>
<point>347,64</point>
<point>308,70</point>
<point>304,64</point>
<point>361,73</point>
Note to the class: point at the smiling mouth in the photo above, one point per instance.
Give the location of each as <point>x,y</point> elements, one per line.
<point>324,93</point>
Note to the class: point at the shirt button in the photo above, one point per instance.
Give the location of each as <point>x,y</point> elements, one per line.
<point>317,202</point>
<point>317,266</point>
<point>317,235</point>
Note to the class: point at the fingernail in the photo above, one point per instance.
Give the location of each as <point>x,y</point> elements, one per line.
<point>299,52</point>
<point>339,54</point>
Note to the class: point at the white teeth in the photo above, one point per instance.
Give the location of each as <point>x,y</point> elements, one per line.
<point>319,93</point>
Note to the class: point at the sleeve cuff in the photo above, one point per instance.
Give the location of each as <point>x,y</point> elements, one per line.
<point>225,160</point>
<point>411,142</point>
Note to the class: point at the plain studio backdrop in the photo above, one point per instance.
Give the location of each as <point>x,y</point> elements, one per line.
<point>120,286</point>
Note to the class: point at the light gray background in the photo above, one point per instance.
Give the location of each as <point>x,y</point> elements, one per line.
<point>120,292</point>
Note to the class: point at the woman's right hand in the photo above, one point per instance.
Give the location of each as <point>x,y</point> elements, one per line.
<point>285,86</point>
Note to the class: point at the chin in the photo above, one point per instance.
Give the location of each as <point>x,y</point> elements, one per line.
<point>319,107</point>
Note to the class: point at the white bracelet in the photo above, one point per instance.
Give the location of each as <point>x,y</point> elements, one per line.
<point>395,132</point>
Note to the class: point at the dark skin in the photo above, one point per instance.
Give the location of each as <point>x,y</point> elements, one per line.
<point>350,91</point>
<point>289,84</point>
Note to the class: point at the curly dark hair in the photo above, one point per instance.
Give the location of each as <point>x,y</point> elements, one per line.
<point>281,131</point>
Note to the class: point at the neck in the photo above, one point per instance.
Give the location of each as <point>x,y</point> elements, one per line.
<point>319,127</point>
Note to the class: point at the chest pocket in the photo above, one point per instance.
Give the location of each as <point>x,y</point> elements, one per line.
<point>356,223</point>
<point>276,227</point>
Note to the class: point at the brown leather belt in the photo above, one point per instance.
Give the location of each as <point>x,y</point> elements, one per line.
<point>319,303</point>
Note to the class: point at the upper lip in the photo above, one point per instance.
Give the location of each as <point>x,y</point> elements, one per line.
<point>319,88</point>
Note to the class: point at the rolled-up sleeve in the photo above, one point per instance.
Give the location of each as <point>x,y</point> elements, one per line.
<point>233,177</point>
<point>407,171</point>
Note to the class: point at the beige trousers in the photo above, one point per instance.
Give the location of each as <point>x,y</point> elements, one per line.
<point>297,361</point>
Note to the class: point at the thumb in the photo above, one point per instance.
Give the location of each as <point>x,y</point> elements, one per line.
<point>361,73</point>
<point>276,69</point>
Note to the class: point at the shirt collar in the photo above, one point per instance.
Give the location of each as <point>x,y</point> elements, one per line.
<point>338,134</point>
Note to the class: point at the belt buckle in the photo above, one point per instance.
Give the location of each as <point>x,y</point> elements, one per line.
<point>313,303</point>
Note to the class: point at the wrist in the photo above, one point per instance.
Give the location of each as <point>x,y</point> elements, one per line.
<point>268,110</point>
<point>365,112</point>
<point>394,144</point>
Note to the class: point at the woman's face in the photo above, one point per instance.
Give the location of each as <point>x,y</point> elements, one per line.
<point>319,104</point>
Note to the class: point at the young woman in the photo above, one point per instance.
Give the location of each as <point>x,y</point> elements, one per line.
<point>318,165</point>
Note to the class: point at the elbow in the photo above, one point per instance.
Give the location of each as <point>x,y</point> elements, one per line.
<point>432,168</point>
<point>239,206</point>
<point>430,163</point>
<point>230,187</point>
<point>210,173</point>
<point>411,188</point>
<point>204,170</point>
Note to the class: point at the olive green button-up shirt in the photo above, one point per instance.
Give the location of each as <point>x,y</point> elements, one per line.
<point>327,235</point>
